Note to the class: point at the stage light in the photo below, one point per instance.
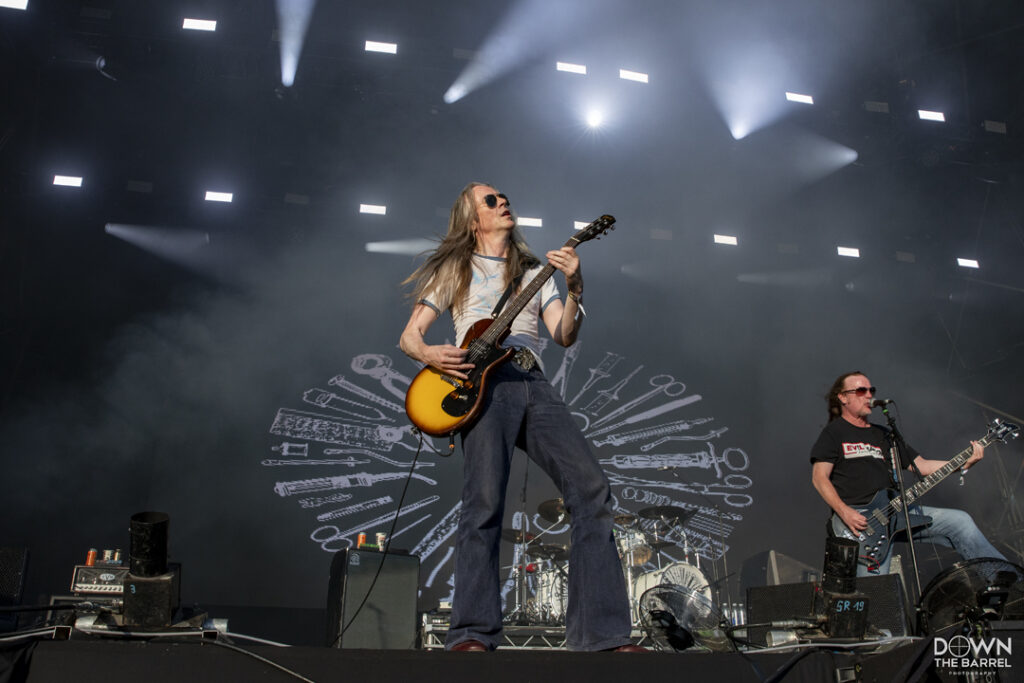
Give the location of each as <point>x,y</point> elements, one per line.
<point>967,263</point>
<point>594,118</point>
<point>455,93</point>
<point>995,126</point>
<point>529,222</point>
<point>726,239</point>
<point>406,247</point>
<point>926,115</point>
<point>571,68</point>
<point>373,208</point>
<point>212,196</point>
<point>627,75</point>
<point>579,225</point>
<point>14,4</point>
<point>797,97</point>
<point>199,24</point>
<point>293,21</point>
<point>67,180</point>
<point>852,252</point>
<point>877,107</point>
<point>388,48</point>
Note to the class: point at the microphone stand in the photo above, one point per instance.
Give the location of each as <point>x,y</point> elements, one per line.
<point>895,438</point>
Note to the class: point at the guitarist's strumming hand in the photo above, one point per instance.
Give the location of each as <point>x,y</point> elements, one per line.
<point>853,519</point>
<point>451,360</point>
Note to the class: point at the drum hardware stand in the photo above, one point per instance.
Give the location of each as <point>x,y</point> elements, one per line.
<point>521,618</point>
<point>721,540</point>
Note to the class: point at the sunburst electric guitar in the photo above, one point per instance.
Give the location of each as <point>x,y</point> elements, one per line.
<point>440,404</point>
<point>885,511</point>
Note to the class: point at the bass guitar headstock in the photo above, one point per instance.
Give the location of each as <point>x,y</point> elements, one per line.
<point>1001,431</point>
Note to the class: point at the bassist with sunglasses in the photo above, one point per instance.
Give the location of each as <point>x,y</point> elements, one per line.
<point>851,471</point>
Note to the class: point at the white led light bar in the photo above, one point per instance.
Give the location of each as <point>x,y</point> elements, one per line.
<point>797,97</point>
<point>219,196</point>
<point>373,208</point>
<point>627,75</point>
<point>571,68</point>
<point>848,251</point>
<point>726,239</point>
<point>926,115</point>
<point>529,222</point>
<point>67,180</point>
<point>199,24</point>
<point>388,48</point>
<point>967,263</point>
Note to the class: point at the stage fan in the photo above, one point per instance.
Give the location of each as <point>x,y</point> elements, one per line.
<point>676,618</point>
<point>970,593</point>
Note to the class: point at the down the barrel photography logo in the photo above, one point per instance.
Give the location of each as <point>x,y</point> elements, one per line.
<point>963,654</point>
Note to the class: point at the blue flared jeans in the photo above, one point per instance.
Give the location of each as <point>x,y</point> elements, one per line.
<point>523,409</point>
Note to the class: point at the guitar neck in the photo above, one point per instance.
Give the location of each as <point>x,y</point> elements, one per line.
<point>518,303</point>
<point>955,463</point>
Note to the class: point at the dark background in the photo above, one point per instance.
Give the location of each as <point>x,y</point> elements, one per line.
<point>148,378</point>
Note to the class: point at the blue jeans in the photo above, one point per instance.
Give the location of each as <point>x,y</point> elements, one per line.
<point>523,409</point>
<point>951,528</point>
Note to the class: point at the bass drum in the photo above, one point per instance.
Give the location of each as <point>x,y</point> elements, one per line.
<point>679,574</point>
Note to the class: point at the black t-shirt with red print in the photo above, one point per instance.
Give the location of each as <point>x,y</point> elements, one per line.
<point>859,457</point>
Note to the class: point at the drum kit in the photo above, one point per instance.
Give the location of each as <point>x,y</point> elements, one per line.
<point>541,572</point>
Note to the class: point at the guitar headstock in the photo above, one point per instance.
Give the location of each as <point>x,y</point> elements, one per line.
<point>1002,431</point>
<point>594,231</point>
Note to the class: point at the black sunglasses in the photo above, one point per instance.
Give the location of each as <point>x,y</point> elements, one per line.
<point>860,391</point>
<point>492,200</point>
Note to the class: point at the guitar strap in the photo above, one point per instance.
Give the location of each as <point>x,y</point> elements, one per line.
<point>512,286</point>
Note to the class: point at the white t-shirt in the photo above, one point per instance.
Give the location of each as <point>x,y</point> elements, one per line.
<point>485,289</point>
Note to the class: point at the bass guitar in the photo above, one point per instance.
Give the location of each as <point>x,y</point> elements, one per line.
<point>440,404</point>
<point>885,511</point>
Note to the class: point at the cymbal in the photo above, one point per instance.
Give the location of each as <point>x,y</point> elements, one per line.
<point>553,510</point>
<point>558,553</point>
<point>625,520</point>
<point>672,513</point>
<point>516,536</point>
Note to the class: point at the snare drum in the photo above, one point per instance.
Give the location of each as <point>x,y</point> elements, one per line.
<point>633,548</point>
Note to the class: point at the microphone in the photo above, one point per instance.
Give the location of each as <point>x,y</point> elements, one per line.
<point>881,402</point>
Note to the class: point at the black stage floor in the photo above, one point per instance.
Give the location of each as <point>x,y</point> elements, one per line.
<point>108,661</point>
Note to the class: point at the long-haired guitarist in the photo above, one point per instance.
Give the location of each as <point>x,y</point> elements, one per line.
<point>468,274</point>
<point>851,465</point>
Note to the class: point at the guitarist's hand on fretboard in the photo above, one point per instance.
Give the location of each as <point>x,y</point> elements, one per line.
<point>977,454</point>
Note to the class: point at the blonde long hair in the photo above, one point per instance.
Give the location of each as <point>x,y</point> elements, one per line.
<point>449,268</point>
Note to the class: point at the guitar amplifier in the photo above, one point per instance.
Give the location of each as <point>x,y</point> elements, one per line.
<point>372,614</point>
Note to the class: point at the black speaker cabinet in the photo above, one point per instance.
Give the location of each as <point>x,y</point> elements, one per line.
<point>13,567</point>
<point>387,620</point>
<point>888,604</point>
<point>780,603</point>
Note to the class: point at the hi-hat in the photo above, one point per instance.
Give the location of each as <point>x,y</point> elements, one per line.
<point>558,553</point>
<point>668,513</point>
<point>625,520</point>
<point>553,510</point>
<point>516,536</point>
